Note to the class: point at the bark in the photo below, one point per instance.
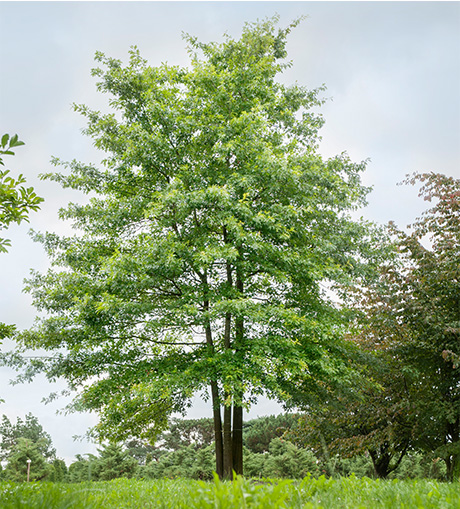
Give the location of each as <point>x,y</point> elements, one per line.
<point>381,462</point>
<point>381,459</point>
<point>214,391</point>
<point>228,439</point>
<point>228,445</point>
<point>217,429</point>
<point>453,467</point>
<point>238,439</point>
<point>238,402</point>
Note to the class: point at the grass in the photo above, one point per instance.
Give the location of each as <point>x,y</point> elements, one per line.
<point>184,493</point>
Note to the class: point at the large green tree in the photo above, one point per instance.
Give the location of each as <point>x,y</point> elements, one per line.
<point>423,325</point>
<point>203,259</point>
<point>411,324</point>
<point>26,452</point>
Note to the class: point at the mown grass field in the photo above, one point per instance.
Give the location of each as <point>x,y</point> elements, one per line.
<point>183,493</point>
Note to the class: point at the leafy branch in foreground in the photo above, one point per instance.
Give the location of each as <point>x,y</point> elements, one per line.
<point>16,201</point>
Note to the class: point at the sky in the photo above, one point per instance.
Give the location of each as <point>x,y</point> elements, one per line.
<point>392,72</point>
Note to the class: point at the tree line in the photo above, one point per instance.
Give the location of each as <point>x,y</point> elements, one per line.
<point>186,449</point>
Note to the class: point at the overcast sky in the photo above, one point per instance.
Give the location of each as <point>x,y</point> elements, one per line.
<point>392,71</point>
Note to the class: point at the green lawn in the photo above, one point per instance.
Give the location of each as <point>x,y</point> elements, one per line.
<point>184,493</point>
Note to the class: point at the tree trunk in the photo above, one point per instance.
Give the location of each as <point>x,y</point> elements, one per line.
<point>453,460</point>
<point>381,461</point>
<point>228,446</point>
<point>217,430</point>
<point>452,467</point>
<point>214,393</point>
<point>238,439</point>
<point>238,400</point>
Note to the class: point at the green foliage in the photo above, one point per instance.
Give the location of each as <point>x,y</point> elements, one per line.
<point>114,462</point>
<point>368,420</point>
<point>258,433</point>
<point>310,493</point>
<point>202,260</point>
<point>7,143</point>
<point>81,470</point>
<point>185,432</point>
<point>407,332</point>
<point>358,466</point>
<point>412,322</point>
<point>288,461</point>
<point>420,466</point>
<point>6,331</point>
<point>16,468</point>
<point>187,461</point>
<point>141,451</point>
<point>16,201</point>
<point>59,471</point>
<point>25,440</point>
<point>29,429</point>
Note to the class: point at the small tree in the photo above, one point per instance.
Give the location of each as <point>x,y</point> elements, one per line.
<point>16,468</point>
<point>81,469</point>
<point>59,471</point>
<point>185,432</point>
<point>113,462</point>
<point>287,460</point>
<point>29,429</point>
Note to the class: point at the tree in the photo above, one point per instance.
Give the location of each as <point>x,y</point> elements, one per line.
<point>205,255</point>
<point>114,462</point>
<point>17,466</point>
<point>185,432</point>
<point>59,471</point>
<point>373,420</point>
<point>258,433</point>
<point>430,310</point>
<point>411,320</point>
<point>141,451</point>
<point>16,201</point>
<point>82,469</point>
<point>189,461</point>
<point>28,429</point>
<point>287,460</point>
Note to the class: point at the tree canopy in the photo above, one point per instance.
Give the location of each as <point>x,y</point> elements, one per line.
<point>29,429</point>
<point>204,258</point>
<point>408,334</point>
<point>26,440</point>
